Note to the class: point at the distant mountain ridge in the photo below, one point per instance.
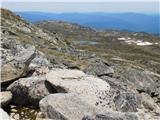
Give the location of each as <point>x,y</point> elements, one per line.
<point>135,22</point>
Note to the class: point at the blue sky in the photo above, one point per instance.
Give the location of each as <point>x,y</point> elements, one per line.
<point>64,6</point>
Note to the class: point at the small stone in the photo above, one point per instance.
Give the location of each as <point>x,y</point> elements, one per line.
<point>40,115</point>
<point>12,114</point>
<point>13,110</point>
<point>12,106</point>
<point>16,116</point>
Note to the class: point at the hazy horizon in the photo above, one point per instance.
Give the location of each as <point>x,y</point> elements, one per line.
<point>84,7</point>
<point>131,15</point>
<point>86,12</point>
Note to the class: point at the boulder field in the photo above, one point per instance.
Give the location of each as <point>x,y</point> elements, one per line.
<point>43,77</point>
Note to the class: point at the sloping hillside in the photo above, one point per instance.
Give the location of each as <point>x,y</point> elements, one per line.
<point>52,44</point>
<point>29,33</point>
<point>139,49</point>
<point>47,74</point>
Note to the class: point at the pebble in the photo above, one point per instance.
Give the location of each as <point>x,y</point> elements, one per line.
<point>13,110</point>
<point>16,116</point>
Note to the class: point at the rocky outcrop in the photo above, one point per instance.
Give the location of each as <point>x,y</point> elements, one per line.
<point>4,115</point>
<point>141,80</point>
<point>113,116</point>
<point>41,61</point>
<point>29,91</point>
<point>5,98</point>
<point>99,68</point>
<point>91,89</point>
<point>127,102</point>
<point>65,107</point>
<point>15,59</point>
<point>149,103</point>
<point>40,65</point>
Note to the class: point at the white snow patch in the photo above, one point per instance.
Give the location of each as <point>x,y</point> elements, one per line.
<point>130,41</point>
<point>144,43</point>
<point>128,38</point>
<point>122,38</point>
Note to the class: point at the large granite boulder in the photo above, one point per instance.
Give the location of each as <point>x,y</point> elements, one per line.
<point>15,59</point>
<point>5,98</point>
<point>29,91</point>
<point>67,106</point>
<point>91,89</point>
<point>4,115</point>
<point>141,80</point>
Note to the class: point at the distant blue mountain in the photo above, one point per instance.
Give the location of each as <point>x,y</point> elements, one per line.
<point>136,22</point>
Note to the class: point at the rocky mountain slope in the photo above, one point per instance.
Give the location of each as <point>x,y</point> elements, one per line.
<point>137,49</point>
<point>46,74</point>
